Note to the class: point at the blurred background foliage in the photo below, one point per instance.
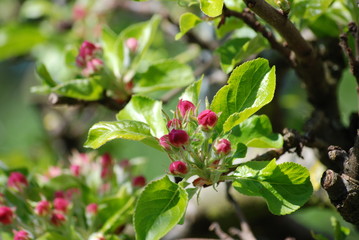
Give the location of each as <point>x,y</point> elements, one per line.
<point>36,135</point>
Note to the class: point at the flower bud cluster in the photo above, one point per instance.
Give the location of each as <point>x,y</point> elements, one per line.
<point>87,58</point>
<point>194,146</point>
<point>30,206</point>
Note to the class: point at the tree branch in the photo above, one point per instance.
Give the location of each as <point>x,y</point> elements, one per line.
<point>353,60</point>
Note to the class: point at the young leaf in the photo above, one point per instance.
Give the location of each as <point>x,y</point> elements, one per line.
<point>340,232</point>
<point>85,89</point>
<point>192,92</point>
<point>147,110</point>
<point>212,8</point>
<point>237,50</point>
<point>250,87</point>
<point>108,40</point>
<point>45,76</point>
<point>165,75</point>
<point>256,131</point>
<point>159,208</point>
<point>103,132</point>
<point>285,187</point>
<point>187,22</point>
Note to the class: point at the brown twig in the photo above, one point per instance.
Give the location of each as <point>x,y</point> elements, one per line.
<point>110,103</point>
<point>250,19</point>
<point>245,232</point>
<point>219,232</point>
<point>353,61</point>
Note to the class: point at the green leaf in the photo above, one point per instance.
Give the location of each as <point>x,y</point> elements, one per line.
<point>241,150</point>
<point>19,39</point>
<point>192,92</point>
<point>45,76</point>
<point>165,75</point>
<point>103,132</point>
<point>256,132</point>
<point>144,33</point>
<point>212,8</point>
<point>285,187</point>
<point>85,89</point>
<point>250,87</point>
<point>52,236</point>
<point>239,49</point>
<point>108,40</point>
<point>340,232</point>
<point>147,110</point>
<point>187,22</point>
<point>159,208</point>
<point>231,24</point>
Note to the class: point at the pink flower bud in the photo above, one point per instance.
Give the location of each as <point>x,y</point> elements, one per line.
<point>57,218</point>
<point>42,208</point>
<point>75,170</point>
<point>54,171</point>
<point>59,194</point>
<point>61,204</point>
<point>201,182</point>
<point>17,181</point>
<point>71,193</point>
<point>164,142</point>
<point>222,146</point>
<point>92,209</point>
<point>185,106</point>
<point>178,138</point>
<point>106,160</point>
<point>21,235</point>
<point>178,168</point>
<point>207,119</point>
<point>174,124</point>
<point>139,181</point>
<point>92,66</point>
<point>78,12</point>
<point>132,44</point>
<point>125,163</point>
<point>6,215</point>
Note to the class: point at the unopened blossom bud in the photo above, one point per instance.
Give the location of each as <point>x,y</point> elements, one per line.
<point>207,119</point>
<point>222,146</point>
<point>174,124</point>
<point>6,215</point>
<point>21,235</point>
<point>92,66</point>
<point>200,182</point>
<point>185,106</point>
<point>42,208</point>
<point>178,168</point>
<point>178,138</point>
<point>59,194</point>
<point>125,163</point>
<point>61,204</point>
<point>106,160</point>
<point>75,170</point>
<point>78,12</point>
<point>139,181</point>
<point>164,142</point>
<point>92,209</point>
<point>132,44</point>
<point>86,52</point>
<point>57,218</point>
<point>17,181</point>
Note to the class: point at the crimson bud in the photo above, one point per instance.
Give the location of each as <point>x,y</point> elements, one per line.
<point>21,235</point>
<point>17,181</point>
<point>42,208</point>
<point>178,138</point>
<point>185,106</point>
<point>6,215</point>
<point>207,119</point>
<point>222,146</point>
<point>178,168</point>
<point>139,181</point>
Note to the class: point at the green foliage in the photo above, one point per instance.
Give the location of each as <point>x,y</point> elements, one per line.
<point>192,92</point>
<point>159,208</point>
<point>238,49</point>
<point>102,132</point>
<point>211,8</point>
<point>250,87</point>
<point>19,39</point>
<point>164,75</point>
<point>187,22</point>
<point>256,131</point>
<point>145,110</point>
<point>285,187</point>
